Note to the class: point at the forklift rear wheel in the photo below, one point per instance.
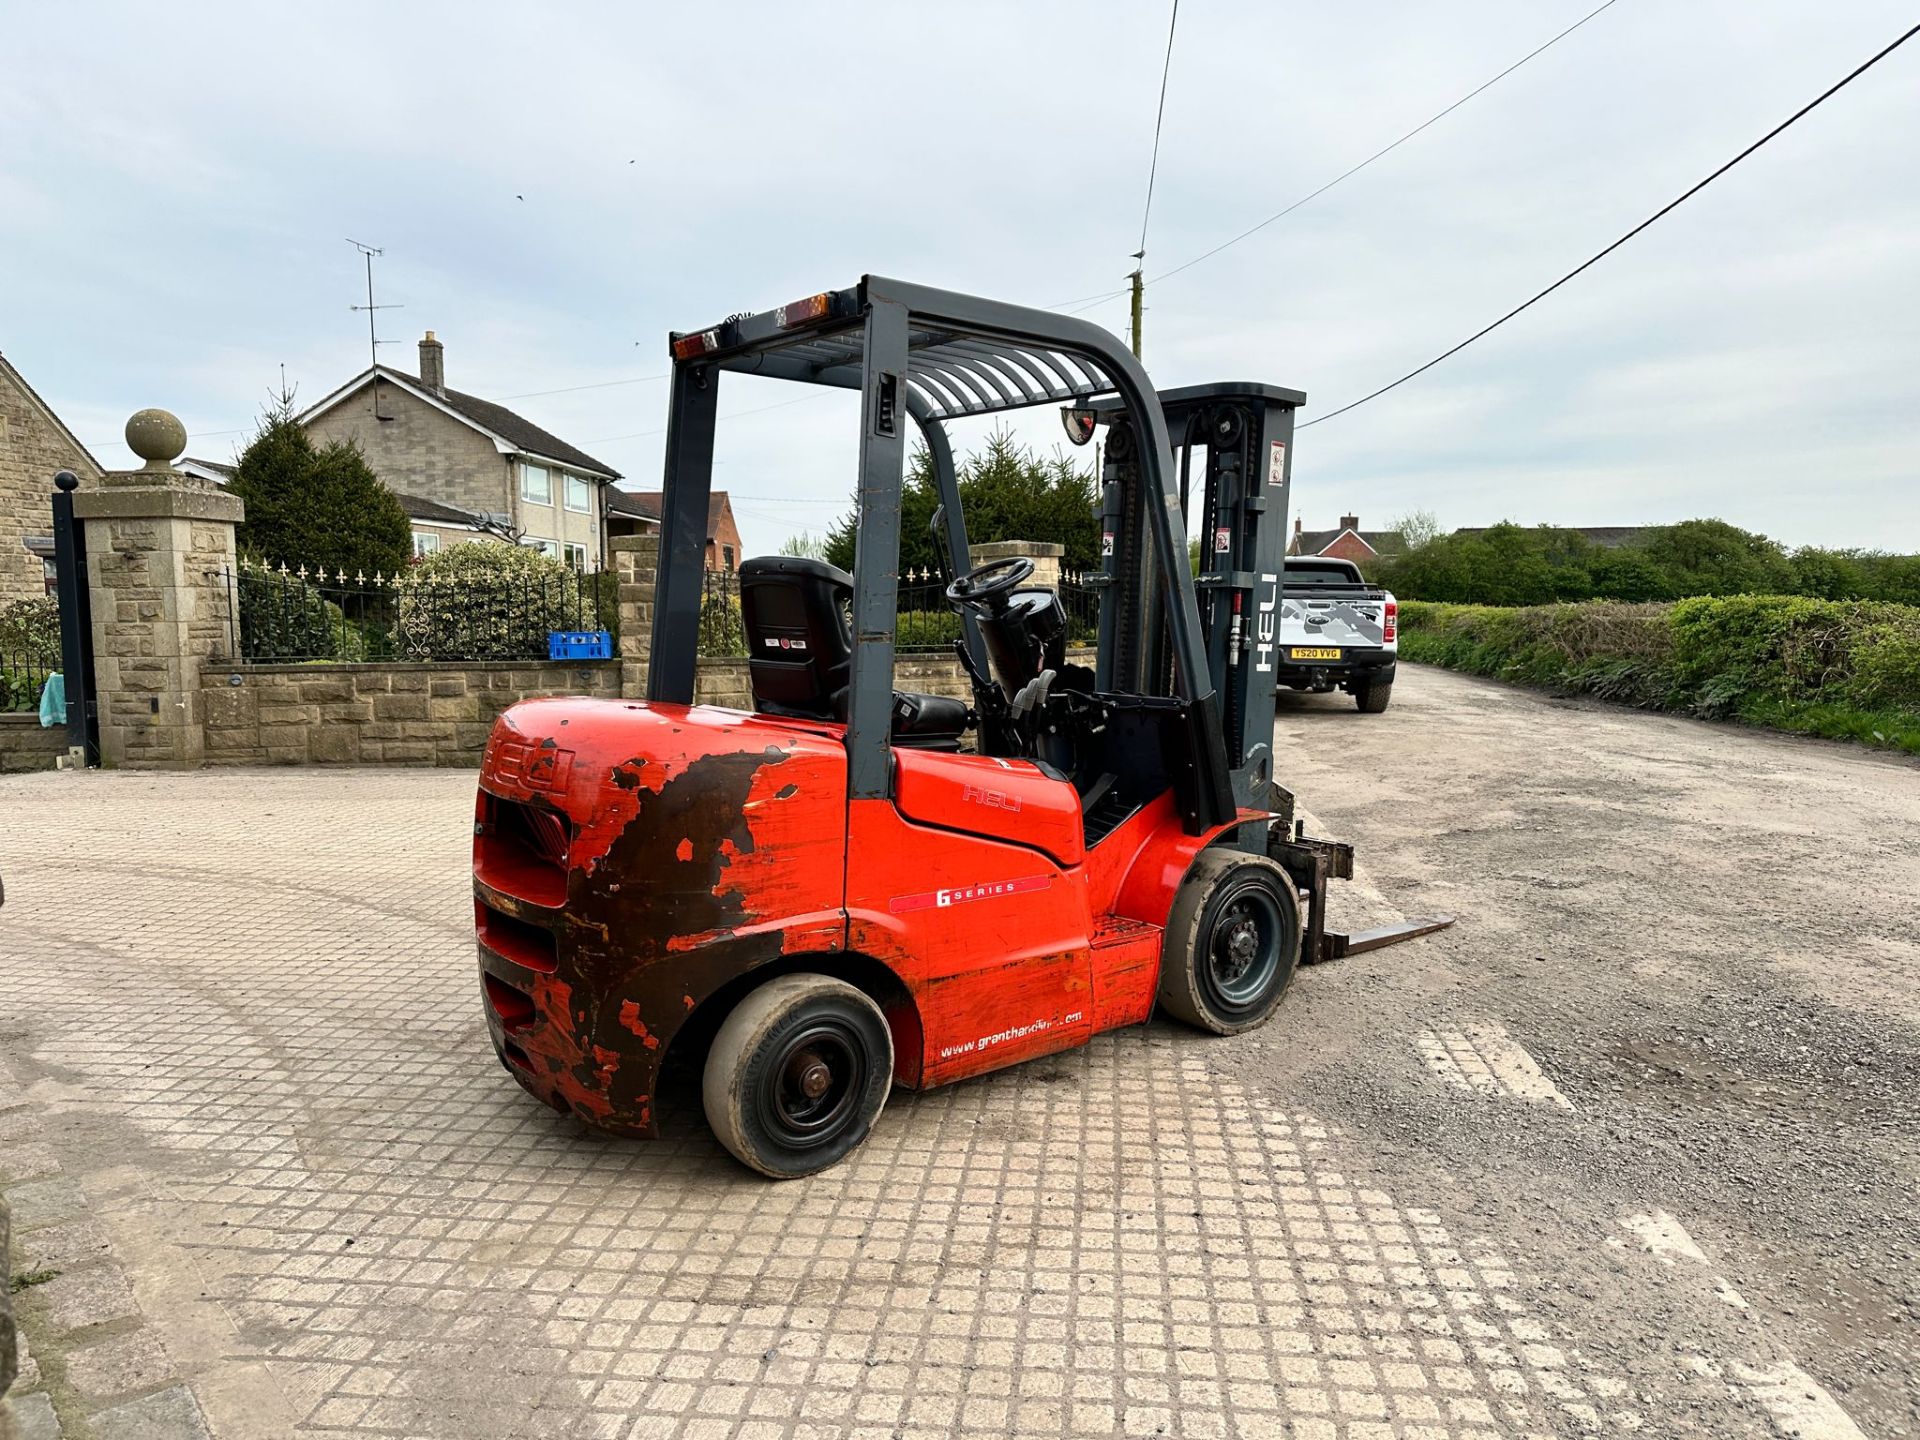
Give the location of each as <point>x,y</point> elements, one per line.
<point>797,1074</point>
<point>1232,944</point>
<point>1373,697</point>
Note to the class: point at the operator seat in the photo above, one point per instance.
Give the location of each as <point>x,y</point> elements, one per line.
<point>800,652</point>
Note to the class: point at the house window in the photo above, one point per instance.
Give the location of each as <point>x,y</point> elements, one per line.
<point>425,542</point>
<point>536,485</point>
<point>579,495</point>
<point>576,556</point>
<point>727,552</point>
<point>546,547</point>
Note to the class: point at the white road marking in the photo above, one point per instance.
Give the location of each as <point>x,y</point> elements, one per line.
<point>1664,1236</point>
<point>1801,1407</point>
<point>1799,1404</point>
<point>1486,1059</point>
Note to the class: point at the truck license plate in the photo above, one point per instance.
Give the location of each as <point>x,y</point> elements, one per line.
<point>1310,652</point>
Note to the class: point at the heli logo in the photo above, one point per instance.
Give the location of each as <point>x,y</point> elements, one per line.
<point>961,894</point>
<point>997,799</point>
<point>1265,623</point>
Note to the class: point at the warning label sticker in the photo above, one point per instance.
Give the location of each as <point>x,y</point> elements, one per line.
<point>1277,463</point>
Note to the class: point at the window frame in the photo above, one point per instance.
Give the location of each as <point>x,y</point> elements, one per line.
<point>425,543</point>
<point>569,549</point>
<point>567,482</point>
<point>548,548</point>
<point>527,473</point>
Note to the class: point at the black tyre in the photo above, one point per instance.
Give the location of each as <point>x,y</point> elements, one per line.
<point>1373,696</point>
<point>1232,943</point>
<point>797,1074</point>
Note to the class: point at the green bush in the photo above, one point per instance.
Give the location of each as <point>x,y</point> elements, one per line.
<point>286,617</point>
<point>320,506</point>
<point>489,601</point>
<point>1848,669</point>
<point>29,650</point>
<point>723,631</point>
<point>1508,564</point>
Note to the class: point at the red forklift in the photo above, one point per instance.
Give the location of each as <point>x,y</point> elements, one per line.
<point>853,886</point>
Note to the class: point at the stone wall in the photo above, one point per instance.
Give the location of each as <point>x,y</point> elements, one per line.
<point>376,714</point>
<point>33,446</point>
<point>725,682</point>
<point>24,745</point>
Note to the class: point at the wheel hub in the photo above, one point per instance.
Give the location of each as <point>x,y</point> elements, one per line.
<point>809,1074</point>
<point>1240,946</point>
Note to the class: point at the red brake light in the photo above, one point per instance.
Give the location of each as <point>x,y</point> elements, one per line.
<point>1390,630</point>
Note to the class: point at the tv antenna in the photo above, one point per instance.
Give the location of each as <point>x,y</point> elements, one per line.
<point>373,344</point>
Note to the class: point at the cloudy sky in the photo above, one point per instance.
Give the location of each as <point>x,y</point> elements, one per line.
<point>555,188</point>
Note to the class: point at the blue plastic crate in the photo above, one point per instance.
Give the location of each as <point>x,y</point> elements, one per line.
<point>579,645</point>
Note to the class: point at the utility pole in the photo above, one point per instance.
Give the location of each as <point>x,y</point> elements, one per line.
<point>373,344</point>
<point>1139,295</point>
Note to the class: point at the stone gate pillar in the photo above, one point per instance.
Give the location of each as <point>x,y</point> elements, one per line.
<point>1045,554</point>
<point>160,546</point>
<point>636,559</point>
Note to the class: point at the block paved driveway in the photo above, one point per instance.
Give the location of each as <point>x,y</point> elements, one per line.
<point>256,1138</point>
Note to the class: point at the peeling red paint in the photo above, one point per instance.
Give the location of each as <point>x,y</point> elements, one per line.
<point>630,1019</point>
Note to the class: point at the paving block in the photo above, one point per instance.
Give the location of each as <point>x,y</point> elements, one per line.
<point>76,1299</point>
<point>169,1415</point>
<point>28,1417</point>
<point>26,1162</point>
<point>123,1365</point>
<point>65,1246</point>
<point>45,1202</point>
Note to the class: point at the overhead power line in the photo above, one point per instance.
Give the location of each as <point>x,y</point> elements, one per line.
<point>1088,302</point>
<point>1666,209</point>
<point>1159,115</point>
<point>573,389</point>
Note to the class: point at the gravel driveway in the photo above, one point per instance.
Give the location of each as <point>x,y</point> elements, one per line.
<point>1631,1150</point>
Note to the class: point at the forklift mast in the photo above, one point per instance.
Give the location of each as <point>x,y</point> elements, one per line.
<point>1232,448</point>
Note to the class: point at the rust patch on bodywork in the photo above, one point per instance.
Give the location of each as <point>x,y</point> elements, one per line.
<point>673,853</point>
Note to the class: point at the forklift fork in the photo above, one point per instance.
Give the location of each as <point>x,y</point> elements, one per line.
<point>1312,863</point>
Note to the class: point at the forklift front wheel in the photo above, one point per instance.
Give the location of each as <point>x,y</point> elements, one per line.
<point>1232,943</point>
<point>797,1074</point>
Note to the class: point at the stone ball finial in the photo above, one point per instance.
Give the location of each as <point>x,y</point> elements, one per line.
<point>157,437</point>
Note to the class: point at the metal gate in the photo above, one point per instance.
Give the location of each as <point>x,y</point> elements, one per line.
<point>76,621</point>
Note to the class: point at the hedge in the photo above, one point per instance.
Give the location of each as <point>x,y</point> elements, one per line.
<point>1847,669</point>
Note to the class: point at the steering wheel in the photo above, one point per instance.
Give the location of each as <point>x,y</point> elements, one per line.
<point>984,584</point>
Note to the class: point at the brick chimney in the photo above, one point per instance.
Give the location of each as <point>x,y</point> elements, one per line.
<point>433,363</point>
<point>1347,522</point>
<point>1296,527</point>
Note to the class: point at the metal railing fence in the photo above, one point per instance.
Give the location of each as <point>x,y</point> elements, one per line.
<point>285,615</point>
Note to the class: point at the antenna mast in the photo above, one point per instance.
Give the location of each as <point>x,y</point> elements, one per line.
<point>373,344</point>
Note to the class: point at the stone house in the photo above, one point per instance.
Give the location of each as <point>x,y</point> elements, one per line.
<point>1347,542</point>
<point>637,512</point>
<point>464,467</point>
<point>34,445</point>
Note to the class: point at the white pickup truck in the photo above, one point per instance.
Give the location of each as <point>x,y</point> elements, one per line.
<point>1337,632</point>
